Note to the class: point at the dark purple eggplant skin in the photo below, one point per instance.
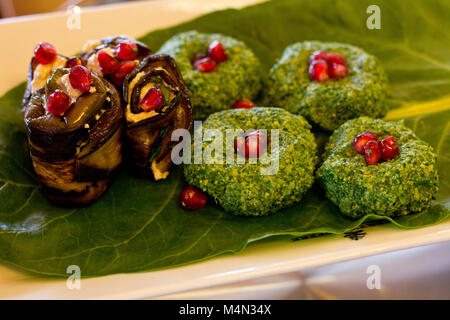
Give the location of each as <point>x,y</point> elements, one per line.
<point>144,136</point>
<point>55,141</point>
<point>58,150</point>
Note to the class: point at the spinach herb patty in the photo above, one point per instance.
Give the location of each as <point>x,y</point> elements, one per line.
<point>237,77</point>
<point>400,186</point>
<point>241,189</point>
<point>328,104</point>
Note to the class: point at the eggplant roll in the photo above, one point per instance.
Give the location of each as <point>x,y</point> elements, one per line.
<point>76,154</point>
<point>110,45</point>
<point>38,75</point>
<point>149,121</point>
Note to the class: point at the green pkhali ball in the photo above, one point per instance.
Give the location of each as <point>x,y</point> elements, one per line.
<point>328,104</point>
<point>253,189</point>
<point>400,186</point>
<point>237,77</point>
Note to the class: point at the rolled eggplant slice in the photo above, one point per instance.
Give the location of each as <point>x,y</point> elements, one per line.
<point>157,104</point>
<point>38,75</point>
<point>75,155</point>
<point>109,45</point>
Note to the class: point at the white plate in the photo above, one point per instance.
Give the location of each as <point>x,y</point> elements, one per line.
<point>264,258</point>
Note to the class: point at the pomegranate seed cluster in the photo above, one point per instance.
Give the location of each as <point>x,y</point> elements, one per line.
<point>328,83</point>
<point>218,70</point>
<point>378,167</point>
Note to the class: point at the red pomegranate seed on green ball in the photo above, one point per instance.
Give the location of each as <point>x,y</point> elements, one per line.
<point>372,152</point>
<point>205,65</point>
<point>217,52</point>
<point>252,145</point>
<point>335,58</point>
<point>318,71</point>
<point>361,140</point>
<point>389,148</point>
<point>338,71</point>
<point>318,55</point>
<point>243,103</point>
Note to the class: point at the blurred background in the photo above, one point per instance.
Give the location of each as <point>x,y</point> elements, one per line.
<point>14,8</point>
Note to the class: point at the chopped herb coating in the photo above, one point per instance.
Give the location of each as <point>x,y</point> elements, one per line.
<point>237,77</point>
<point>241,189</point>
<point>400,186</point>
<point>328,104</point>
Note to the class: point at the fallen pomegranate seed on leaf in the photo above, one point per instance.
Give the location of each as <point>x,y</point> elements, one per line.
<point>108,63</point>
<point>58,102</point>
<point>389,148</point>
<point>243,103</point>
<point>217,52</point>
<point>127,50</point>
<point>372,152</point>
<point>80,78</point>
<point>361,140</point>
<point>192,198</point>
<point>153,99</point>
<point>44,53</point>
<point>318,71</point>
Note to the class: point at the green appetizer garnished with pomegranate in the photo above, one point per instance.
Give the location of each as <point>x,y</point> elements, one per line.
<point>328,83</point>
<point>378,167</point>
<point>218,70</point>
<point>274,145</point>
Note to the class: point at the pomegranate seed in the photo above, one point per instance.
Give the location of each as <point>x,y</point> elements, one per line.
<point>361,140</point>
<point>198,57</point>
<point>318,71</point>
<point>44,53</point>
<point>372,152</point>
<point>243,103</point>
<point>127,50</point>
<point>74,61</point>
<point>80,78</point>
<point>252,145</point>
<point>217,52</point>
<point>389,148</point>
<point>125,68</point>
<point>338,71</point>
<point>317,55</point>
<point>153,99</point>
<point>58,102</point>
<point>335,58</point>
<point>192,198</point>
<point>205,65</point>
<point>108,63</point>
